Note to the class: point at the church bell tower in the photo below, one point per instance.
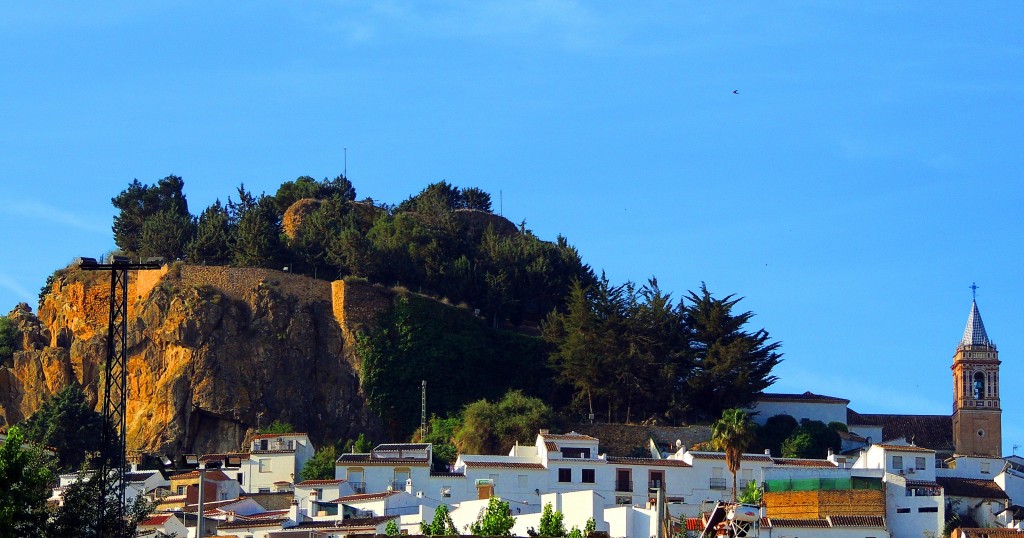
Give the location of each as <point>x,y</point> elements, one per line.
<point>977,417</point>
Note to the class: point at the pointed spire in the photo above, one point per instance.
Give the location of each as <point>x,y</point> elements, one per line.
<point>974,334</point>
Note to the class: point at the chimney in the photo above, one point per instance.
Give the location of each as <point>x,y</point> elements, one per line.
<point>767,452</point>
<point>230,516</point>
<point>293,511</point>
<point>408,485</point>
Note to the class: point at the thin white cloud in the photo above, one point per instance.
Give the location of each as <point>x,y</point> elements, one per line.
<point>38,211</point>
<point>19,291</point>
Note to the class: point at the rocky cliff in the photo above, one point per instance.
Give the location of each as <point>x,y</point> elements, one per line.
<point>212,351</point>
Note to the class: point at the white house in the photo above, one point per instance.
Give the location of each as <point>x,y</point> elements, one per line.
<point>914,500</point>
<point>807,406</point>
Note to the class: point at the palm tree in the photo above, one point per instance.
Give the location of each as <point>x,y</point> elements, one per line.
<point>732,434</point>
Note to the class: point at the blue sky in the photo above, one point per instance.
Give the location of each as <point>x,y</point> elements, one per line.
<point>865,174</point>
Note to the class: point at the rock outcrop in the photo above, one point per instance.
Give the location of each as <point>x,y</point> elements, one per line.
<point>212,351</point>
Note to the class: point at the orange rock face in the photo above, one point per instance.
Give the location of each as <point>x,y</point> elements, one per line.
<point>211,351</point>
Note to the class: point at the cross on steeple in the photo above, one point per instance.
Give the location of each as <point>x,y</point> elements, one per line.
<point>974,290</point>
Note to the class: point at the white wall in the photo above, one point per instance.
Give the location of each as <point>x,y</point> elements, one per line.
<point>825,412</point>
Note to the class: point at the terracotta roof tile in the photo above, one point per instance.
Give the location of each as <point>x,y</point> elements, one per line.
<point>721,456</point>
<point>930,431</point>
<point>356,522</point>
<point>967,487</point>
<point>795,523</point>
<point>215,475</point>
<point>648,461</point>
<point>904,448</point>
<point>550,446</point>
<point>805,397</point>
<point>275,435</point>
<point>359,497</point>
<point>503,465</point>
<point>802,462</point>
<point>571,436</point>
<point>155,520</point>
<point>310,483</point>
<point>395,447</point>
<point>239,524</point>
<point>857,521</point>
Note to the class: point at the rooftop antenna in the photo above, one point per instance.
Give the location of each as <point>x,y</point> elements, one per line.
<point>501,203</point>
<point>345,170</point>
<point>423,410</point>
<point>974,291</point>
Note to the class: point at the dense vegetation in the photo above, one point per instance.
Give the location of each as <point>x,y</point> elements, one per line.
<point>9,335</point>
<point>619,352</point>
<point>439,242</point>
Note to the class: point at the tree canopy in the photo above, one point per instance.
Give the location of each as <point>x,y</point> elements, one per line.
<point>25,476</point>
<point>492,428</point>
<point>67,423</point>
<point>8,338</point>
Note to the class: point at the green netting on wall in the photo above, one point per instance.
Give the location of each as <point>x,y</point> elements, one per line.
<point>822,484</point>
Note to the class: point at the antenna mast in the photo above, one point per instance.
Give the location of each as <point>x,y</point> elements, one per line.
<point>423,410</point>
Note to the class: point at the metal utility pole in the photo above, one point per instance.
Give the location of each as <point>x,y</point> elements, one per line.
<point>115,388</point>
<point>423,410</point>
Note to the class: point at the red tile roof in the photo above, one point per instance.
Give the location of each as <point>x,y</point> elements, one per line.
<point>694,524</point>
<point>805,397</point>
<point>857,521</point>
<point>794,523</point>
<point>224,455</point>
<point>275,435</point>
<point>309,483</point>
<point>648,461</point>
<point>931,431</point>
<point>967,487</point>
<point>550,446</point>
<point>155,520</point>
<point>359,497</point>
<point>239,524</point>
<point>214,475</point>
<point>571,436</point>
<point>503,465</point>
<point>356,522</point>
<point>721,456</point>
<point>904,448</point>
<point>801,462</point>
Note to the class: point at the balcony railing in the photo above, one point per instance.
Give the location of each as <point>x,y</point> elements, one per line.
<point>717,483</point>
<point>623,485</point>
<point>651,484</point>
<point>358,487</point>
<point>397,485</point>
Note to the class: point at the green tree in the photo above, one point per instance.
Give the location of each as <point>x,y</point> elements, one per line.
<point>490,428</point>
<point>212,241</point>
<point>441,435</point>
<point>139,202</point>
<point>257,241</point>
<point>551,522</point>
<point>474,198</point>
<point>79,517</point>
<point>392,528</point>
<point>775,431</point>
<point>496,520</point>
<point>67,423</point>
<point>811,439</point>
<point>730,365</point>
<point>167,233</point>
<point>732,434</point>
<point>442,524</point>
<point>278,426</point>
<point>9,335</point>
<point>25,476</point>
<point>321,465</point>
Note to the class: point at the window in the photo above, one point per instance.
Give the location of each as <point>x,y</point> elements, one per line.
<point>263,444</point>
<point>578,453</point>
<point>264,465</point>
<point>623,499</point>
<point>521,481</point>
<point>928,509</point>
<point>588,476</point>
<point>902,510</point>
<point>181,490</point>
<point>240,477</point>
<point>264,490</point>
<point>919,463</point>
<point>897,463</point>
<point>291,444</point>
<point>565,475</point>
<point>986,467</point>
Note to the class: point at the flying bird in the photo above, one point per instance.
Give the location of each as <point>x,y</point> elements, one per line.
<point>737,92</point>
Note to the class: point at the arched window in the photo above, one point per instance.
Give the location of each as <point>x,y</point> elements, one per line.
<point>979,386</point>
